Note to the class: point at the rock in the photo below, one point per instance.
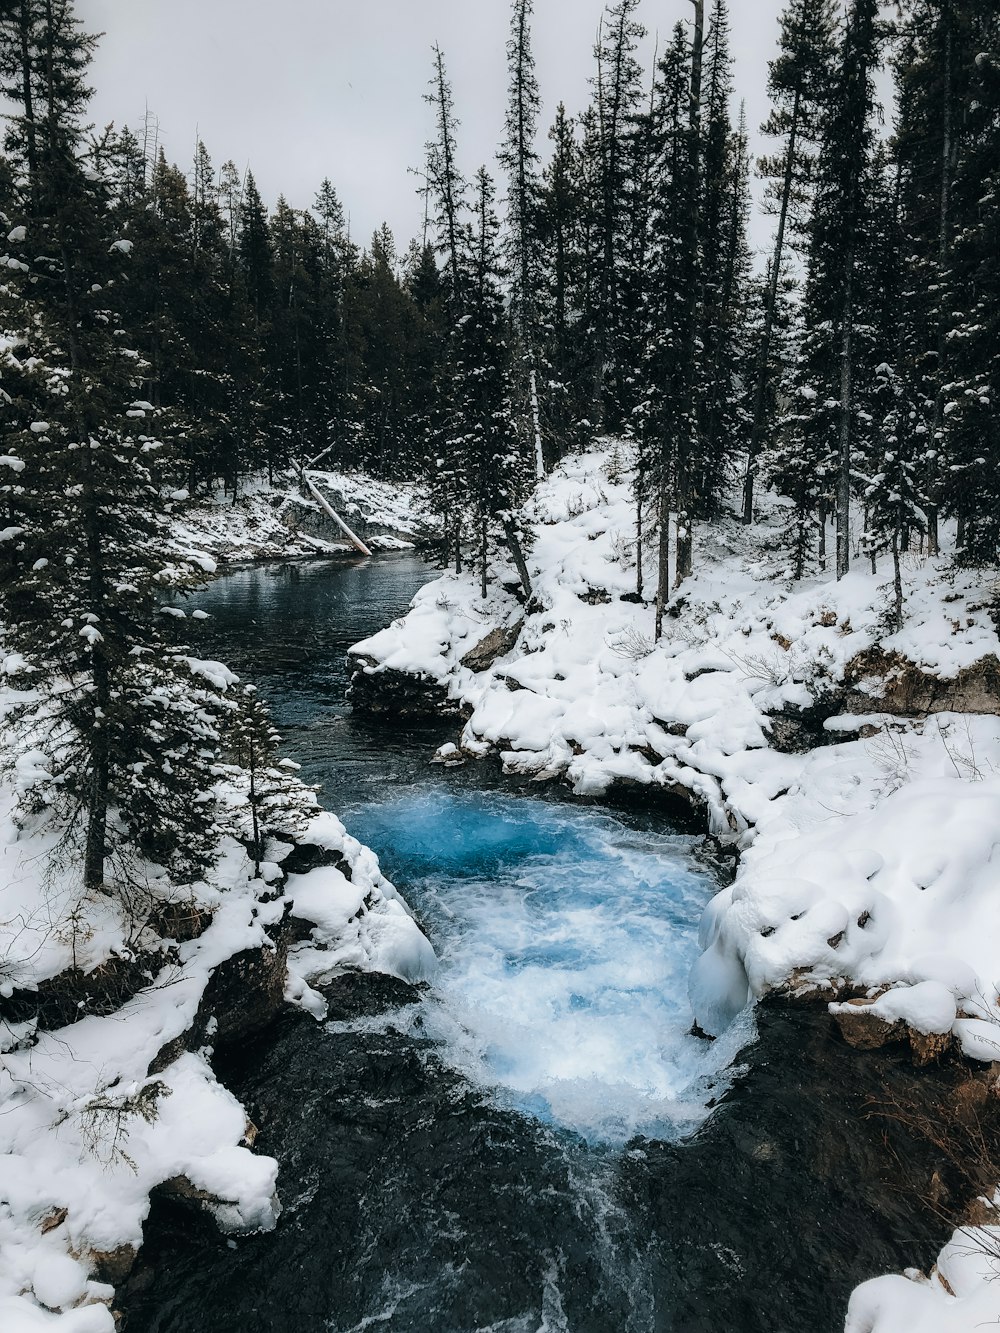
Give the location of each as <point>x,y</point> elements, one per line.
<point>928,1047</point>
<point>867,1030</point>
<point>595,596</point>
<point>245,992</point>
<point>113,1266</point>
<point>498,642</point>
<point>54,1219</point>
<point>181,1190</point>
<point>905,689</point>
<point>306,856</point>
<point>793,730</point>
<point>74,994</point>
<point>396,694</point>
<point>179,921</point>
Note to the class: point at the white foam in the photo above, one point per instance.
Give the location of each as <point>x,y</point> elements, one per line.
<point>565,941</point>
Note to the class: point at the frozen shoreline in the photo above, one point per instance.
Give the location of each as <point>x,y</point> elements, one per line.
<point>111,1006</point>
<point>855,769</point>
<point>274,521</point>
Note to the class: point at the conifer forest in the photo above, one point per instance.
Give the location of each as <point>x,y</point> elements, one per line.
<point>660,468</point>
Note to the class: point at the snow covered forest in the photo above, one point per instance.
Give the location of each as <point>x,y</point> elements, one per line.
<point>713,523</point>
<point>857,367</point>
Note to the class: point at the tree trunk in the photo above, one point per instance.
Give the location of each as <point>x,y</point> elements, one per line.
<point>640,498</point>
<point>257,851</point>
<point>897,579</point>
<point>96,849</point>
<point>846,391</point>
<point>685,498</point>
<point>482,557</point>
<point>517,554</point>
<point>536,424</point>
<point>662,558</point>
<point>29,110</point>
<point>933,546</point>
<point>760,393</point>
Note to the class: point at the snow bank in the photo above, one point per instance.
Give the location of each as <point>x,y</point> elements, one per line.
<point>358,920</point>
<point>848,763</point>
<point>959,1296</point>
<point>274,521</point>
<point>867,859</point>
<point>97,1113</point>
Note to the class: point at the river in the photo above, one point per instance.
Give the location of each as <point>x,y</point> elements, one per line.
<point>536,1143</point>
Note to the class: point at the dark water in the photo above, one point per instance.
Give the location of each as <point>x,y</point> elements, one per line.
<point>528,1146</point>
<point>287,628</point>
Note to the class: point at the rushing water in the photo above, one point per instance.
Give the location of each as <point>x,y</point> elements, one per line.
<point>510,1150</point>
<point>565,940</point>
<point>565,934</point>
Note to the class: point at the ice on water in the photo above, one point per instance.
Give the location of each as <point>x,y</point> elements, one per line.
<point>565,939</point>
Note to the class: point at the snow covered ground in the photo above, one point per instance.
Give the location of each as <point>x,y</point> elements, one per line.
<point>271,522</point>
<point>96,1113</point>
<point>857,769</point>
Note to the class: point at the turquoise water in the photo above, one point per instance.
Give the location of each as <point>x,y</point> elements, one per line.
<point>565,938</point>
<point>565,933</point>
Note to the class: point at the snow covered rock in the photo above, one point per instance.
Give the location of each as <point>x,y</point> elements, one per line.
<point>924,1015</point>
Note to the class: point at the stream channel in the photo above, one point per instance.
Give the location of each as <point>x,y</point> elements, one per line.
<point>535,1143</point>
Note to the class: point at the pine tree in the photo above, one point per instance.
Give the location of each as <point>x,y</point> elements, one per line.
<point>122,730</point>
<point>667,410</point>
<point>568,216</point>
<point>447,184</point>
<point>824,388</point>
<point>254,299</point>
<point>800,82</point>
<point>971,399</point>
<point>687,437</point>
<point>618,98</point>
<point>519,158</point>
<point>277,802</point>
<point>725,264</point>
<point>494,468</point>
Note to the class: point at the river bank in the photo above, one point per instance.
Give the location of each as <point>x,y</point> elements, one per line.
<point>273,519</point>
<point>422,1204</point>
<point>671,1235</point>
<point>852,766</point>
<point>114,1007</point>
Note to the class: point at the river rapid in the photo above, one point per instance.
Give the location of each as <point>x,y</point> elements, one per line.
<point>536,1143</point>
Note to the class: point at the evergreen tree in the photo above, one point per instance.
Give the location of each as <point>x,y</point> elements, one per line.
<point>121,730</point>
<point>971,406</point>
<point>800,83</point>
<point>725,264</point>
<point>447,184</point>
<point>277,802</point>
<point>494,464</point>
<point>618,98</point>
<point>667,413</point>
<point>253,289</point>
<point>519,158</point>
<point>824,389</point>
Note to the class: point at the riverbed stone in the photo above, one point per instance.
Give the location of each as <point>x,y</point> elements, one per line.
<point>867,1030</point>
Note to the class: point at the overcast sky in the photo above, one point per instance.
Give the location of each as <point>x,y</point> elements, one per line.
<point>304,89</point>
